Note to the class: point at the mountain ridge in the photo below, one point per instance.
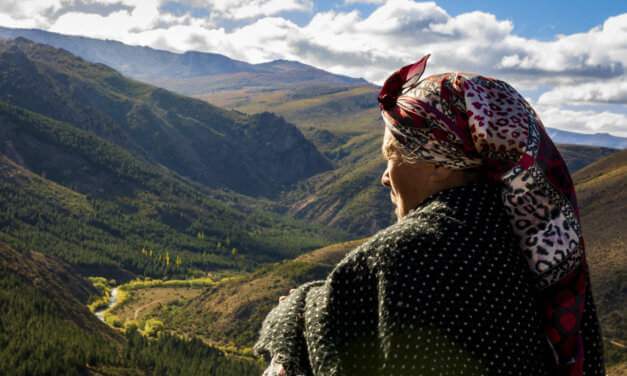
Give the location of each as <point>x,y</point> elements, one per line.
<point>132,60</point>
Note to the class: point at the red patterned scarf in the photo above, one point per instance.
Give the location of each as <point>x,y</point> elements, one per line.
<point>466,121</point>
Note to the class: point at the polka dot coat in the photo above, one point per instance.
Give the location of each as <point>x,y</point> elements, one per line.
<point>445,291</point>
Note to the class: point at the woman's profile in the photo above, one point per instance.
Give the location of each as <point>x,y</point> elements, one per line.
<point>484,272</point>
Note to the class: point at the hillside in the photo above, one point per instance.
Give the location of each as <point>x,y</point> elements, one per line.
<point>602,195</point>
<point>233,311</point>
<point>42,302</point>
<point>255,155</point>
<point>47,330</point>
<point>70,193</point>
<point>352,198</point>
<point>595,139</point>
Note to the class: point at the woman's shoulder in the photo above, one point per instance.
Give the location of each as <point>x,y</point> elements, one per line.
<point>424,226</point>
<point>472,213</point>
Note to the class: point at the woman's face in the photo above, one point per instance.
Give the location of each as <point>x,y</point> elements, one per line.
<point>409,183</point>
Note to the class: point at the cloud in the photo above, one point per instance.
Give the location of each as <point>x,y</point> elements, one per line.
<point>245,9</point>
<point>364,1</point>
<point>395,33</point>
<point>586,121</point>
<point>614,91</point>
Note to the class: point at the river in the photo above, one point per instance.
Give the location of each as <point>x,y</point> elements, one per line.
<point>113,299</point>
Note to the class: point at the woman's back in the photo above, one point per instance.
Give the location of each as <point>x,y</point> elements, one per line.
<point>444,291</point>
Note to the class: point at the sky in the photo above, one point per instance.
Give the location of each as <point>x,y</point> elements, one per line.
<point>568,58</point>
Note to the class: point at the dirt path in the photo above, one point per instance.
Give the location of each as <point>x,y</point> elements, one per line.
<point>141,308</point>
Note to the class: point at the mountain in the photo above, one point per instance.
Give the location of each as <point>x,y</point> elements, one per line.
<point>602,196</point>
<point>188,73</point>
<point>595,139</point>
<point>92,164</point>
<point>255,155</point>
<point>217,77</point>
<point>102,209</point>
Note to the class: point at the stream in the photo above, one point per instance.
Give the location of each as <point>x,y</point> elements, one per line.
<point>113,299</point>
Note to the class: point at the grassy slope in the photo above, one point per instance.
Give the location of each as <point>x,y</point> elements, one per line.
<point>232,312</point>
<point>602,195</point>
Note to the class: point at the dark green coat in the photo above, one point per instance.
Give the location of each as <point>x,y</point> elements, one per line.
<point>443,292</point>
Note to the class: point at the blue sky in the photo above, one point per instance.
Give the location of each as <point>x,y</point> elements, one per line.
<point>541,19</point>
<point>568,57</point>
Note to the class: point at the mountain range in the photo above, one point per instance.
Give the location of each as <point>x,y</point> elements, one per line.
<point>216,77</point>
<point>190,72</point>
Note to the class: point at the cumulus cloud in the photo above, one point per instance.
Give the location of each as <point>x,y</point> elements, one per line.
<point>395,33</point>
<point>244,9</point>
<point>613,91</point>
<point>363,1</point>
<point>585,121</point>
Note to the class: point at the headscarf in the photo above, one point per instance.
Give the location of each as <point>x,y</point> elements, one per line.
<point>465,121</point>
<point>462,121</point>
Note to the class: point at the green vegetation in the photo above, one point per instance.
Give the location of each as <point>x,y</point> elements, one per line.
<point>189,283</point>
<point>230,313</point>
<point>37,339</point>
<point>170,355</point>
<point>101,300</point>
<point>209,145</point>
<point>146,221</point>
<point>47,331</point>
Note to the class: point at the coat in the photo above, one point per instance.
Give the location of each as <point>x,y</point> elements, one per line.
<point>445,291</point>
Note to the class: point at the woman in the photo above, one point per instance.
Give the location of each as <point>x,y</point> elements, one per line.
<point>483,274</point>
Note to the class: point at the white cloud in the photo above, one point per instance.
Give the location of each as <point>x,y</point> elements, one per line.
<point>612,91</point>
<point>588,121</point>
<point>245,9</point>
<point>364,1</point>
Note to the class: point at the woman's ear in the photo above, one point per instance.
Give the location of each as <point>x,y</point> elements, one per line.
<point>440,173</point>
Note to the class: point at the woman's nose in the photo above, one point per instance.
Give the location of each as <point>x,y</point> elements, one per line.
<point>385,178</point>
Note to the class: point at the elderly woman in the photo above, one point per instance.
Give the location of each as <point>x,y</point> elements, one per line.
<point>483,274</point>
